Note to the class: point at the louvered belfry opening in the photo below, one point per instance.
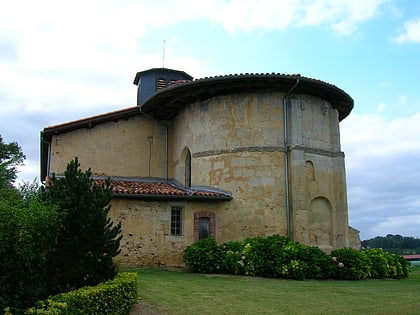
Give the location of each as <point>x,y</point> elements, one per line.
<point>160,84</point>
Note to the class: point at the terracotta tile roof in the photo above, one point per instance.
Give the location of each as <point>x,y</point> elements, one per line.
<point>162,189</point>
<point>166,103</point>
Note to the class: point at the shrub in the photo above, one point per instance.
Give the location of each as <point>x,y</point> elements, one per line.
<point>231,258</point>
<point>253,256</point>
<point>115,296</point>
<point>379,262</point>
<point>267,255</point>
<point>351,264</point>
<point>203,256</point>
<point>88,239</point>
<point>319,264</point>
<point>278,257</point>
<point>273,256</point>
<point>28,228</point>
<point>398,267</point>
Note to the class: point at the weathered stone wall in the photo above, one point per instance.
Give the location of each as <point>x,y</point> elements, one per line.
<point>146,229</point>
<point>236,142</point>
<point>120,148</point>
<point>318,184</point>
<point>354,239</point>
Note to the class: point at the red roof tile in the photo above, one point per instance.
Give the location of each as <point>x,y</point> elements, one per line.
<point>154,189</point>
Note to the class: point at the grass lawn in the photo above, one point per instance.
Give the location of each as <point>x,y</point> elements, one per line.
<point>187,293</point>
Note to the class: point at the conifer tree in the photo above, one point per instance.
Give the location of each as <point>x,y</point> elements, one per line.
<point>88,239</point>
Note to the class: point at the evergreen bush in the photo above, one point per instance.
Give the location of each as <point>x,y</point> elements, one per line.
<point>88,239</point>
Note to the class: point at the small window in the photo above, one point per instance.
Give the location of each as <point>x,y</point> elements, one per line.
<point>310,171</point>
<point>188,169</point>
<point>176,221</point>
<point>203,227</point>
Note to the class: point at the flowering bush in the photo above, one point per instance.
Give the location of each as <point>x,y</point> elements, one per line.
<point>278,257</point>
<point>232,259</point>
<point>203,256</point>
<point>355,264</point>
<point>380,262</point>
<point>387,265</point>
<point>274,256</point>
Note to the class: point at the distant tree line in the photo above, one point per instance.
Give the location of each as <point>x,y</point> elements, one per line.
<point>396,244</point>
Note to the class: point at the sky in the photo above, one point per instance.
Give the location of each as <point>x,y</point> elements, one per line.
<point>66,60</point>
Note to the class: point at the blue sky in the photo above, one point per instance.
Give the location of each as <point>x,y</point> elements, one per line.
<point>66,60</point>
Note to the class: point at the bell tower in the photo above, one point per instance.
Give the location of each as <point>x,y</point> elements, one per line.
<point>153,80</point>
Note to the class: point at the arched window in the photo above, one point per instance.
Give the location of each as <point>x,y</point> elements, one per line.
<point>310,171</point>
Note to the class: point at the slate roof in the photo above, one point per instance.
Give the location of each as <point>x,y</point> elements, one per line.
<point>161,189</point>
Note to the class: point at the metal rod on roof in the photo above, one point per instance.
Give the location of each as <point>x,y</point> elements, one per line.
<point>163,55</point>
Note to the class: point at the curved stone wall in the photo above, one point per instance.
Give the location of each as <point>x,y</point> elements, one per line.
<point>237,143</point>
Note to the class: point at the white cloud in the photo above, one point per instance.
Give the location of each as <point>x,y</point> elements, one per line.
<point>256,15</point>
<point>342,16</point>
<point>403,225</point>
<point>380,108</point>
<point>382,173</point>
<point>411,32</point>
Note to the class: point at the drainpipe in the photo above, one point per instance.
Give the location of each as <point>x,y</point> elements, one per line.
<point>166,139</point>
<point>286,158</point>
<point>166,152</point>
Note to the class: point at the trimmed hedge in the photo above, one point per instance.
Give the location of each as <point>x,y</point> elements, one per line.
<point>278,257</point>
<point>115,296</point>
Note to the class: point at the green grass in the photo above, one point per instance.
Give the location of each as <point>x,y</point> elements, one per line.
<point>187,293</point>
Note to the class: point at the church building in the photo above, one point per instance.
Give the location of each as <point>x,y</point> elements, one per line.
<point>228,157</point>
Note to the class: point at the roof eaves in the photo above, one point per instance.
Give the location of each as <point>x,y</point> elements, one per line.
<point>164,104</point>
<point>92,121</point>
<point>158,197</point>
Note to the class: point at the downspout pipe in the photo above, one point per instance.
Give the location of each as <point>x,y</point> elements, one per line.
<point>166,140</point>
<point>166,153</point>
<point>286,98</point>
